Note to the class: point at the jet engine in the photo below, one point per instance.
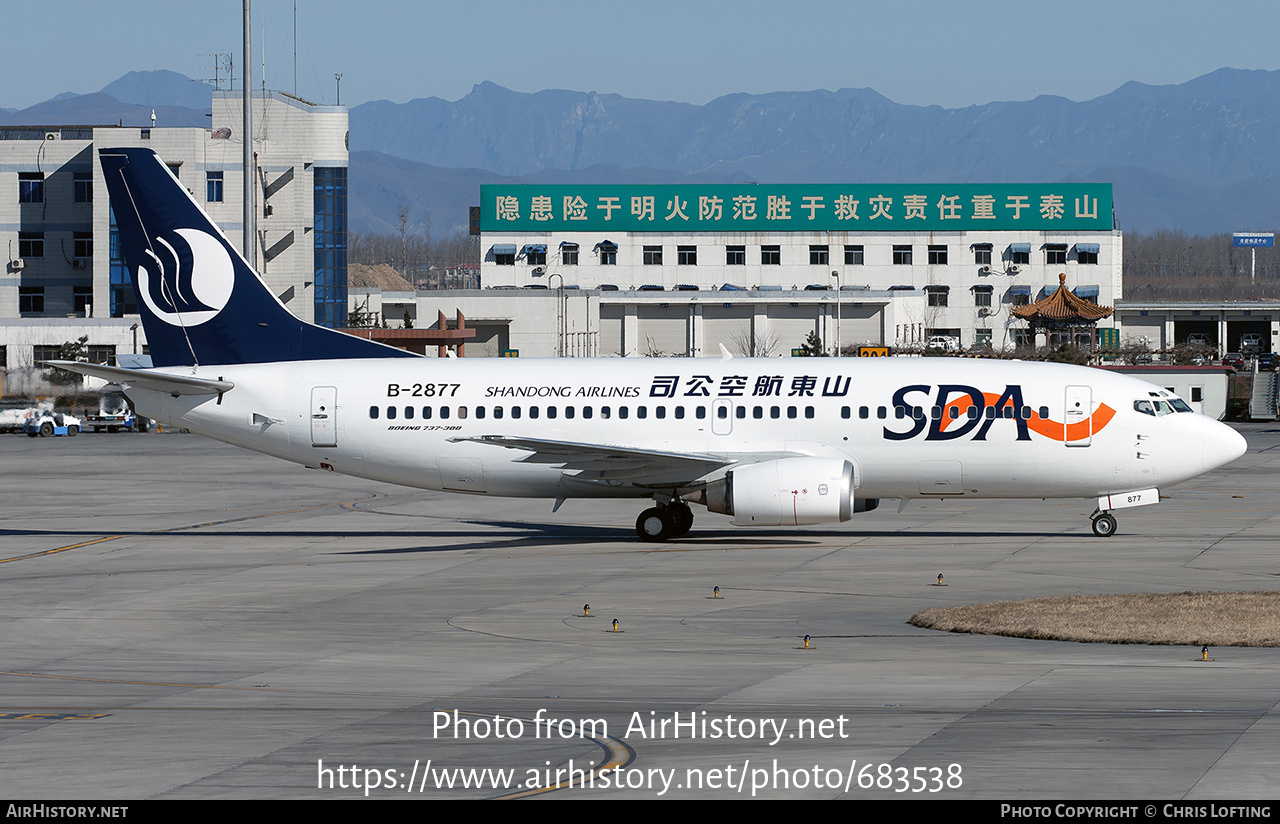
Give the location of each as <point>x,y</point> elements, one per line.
<point>788,491</point>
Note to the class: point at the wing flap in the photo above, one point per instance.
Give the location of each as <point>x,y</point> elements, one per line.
<point>610,461</point>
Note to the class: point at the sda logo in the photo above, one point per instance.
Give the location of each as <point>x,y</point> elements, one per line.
<point>192,283</point>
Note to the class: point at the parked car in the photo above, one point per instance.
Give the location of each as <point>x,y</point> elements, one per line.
<point>1234,359</point>
<point>1269,361</point>
<point>944,343</point>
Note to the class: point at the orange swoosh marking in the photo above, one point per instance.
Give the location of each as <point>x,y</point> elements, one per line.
<point>1045,427</point>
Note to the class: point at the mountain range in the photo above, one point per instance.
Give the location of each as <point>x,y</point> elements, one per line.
<point>1197,156</point>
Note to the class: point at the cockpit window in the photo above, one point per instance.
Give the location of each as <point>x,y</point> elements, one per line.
<point>1144,407</point>
<point>1180,405</point>
<point>1163,408</point>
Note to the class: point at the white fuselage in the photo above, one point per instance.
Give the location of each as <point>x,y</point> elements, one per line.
<point>1041,430</point>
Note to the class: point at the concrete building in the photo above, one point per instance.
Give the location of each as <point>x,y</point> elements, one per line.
<point>62,277</point>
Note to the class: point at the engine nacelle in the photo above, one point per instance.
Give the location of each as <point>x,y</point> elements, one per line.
<point>791,491</point>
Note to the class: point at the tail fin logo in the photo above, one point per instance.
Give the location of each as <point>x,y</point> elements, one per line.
<point>192,279</point>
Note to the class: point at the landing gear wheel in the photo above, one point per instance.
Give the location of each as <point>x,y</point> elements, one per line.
<point>654,525</point>
<point>1104,526</point>
<point>681,519</point>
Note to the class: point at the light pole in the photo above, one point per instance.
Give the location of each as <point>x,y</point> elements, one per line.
<point>836,275</point>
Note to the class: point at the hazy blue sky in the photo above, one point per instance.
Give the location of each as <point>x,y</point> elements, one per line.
<point>925,52</point>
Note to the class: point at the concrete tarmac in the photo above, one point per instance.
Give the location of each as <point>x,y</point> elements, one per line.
<point>184,619</point>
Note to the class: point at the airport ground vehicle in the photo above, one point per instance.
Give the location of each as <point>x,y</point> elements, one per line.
<point>48,424</point>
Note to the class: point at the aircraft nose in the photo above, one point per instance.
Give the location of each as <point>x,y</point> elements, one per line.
<point>1222,445</point>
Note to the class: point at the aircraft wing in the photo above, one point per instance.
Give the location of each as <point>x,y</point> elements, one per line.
<point>609,462</point>
<point>156,381</point>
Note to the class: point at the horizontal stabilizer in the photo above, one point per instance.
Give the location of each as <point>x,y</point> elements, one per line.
<point>156,381</point>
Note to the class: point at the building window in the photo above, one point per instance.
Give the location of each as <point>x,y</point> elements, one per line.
<point>123,301</point>
<point>735,256</point>
<point>937,295</point>
<point>608,253</point>
<point>1020,295</point>
<point>83,182</point>
<point>982,254</point>
<point>83,297</point>
<point>31,300</point>
<point>504,254</point>
<point>937,255</point>
<point>82,244</point>
<point>819,255</point>
<point>853,255</point>
<point>982,337</point>
<point>653,256</point>
<point>535,255</point>
<point>30,244</point>
<point>329,307</point>
<point>1020,254</point>
<point>1087,253</point>
<point>569,254</point>
<point>687,255</point>
<point>770,255</point>
<point>213,187</point>
<point>902,255</point>
<point>982,296</point>
<point>1055,254</point>
<point>30,187</point>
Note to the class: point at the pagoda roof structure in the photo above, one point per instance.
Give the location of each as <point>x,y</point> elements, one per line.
<point>1062,308</point>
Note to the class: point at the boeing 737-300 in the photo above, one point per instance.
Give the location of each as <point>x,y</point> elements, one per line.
<point>770,442</point>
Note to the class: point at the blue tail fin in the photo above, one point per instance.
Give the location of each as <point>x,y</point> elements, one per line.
<point>200,301</point>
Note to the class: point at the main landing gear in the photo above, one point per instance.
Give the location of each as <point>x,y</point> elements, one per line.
<point>661,522</point>
<point>1104,524</point>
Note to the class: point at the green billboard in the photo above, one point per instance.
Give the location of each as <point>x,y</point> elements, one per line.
<point>829,207</point>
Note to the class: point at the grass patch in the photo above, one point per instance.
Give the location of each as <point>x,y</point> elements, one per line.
<point>1216,619</point>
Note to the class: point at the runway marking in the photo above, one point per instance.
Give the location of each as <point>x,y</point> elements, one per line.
<point>59,549</point>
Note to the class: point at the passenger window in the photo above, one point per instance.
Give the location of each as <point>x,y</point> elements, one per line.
<point>552,411</point>
<point>679,412</point>
<point>776,411</point>
<point>917,412</point>
<point>936,413</point>
<point>408,413</point>
<point>533,412</point>
<point>479,412</point>
<point>660,412</point>
<point>623,412</point>
<point>444,413</point>
<point>757,412</point>
<point>586,412</point>
<point>953,412</point>
<point>700,412</point>
<point>426,413</point>
<point>791,412</point>
<point>863,412</point>
<point>742,411</point>
<point>373,413</point>
<point>391,413</point>
<point>569,412</point>
<point>642,411</point>
<point>846,412</point>
<point>990,412</point>
<point>808,411</point>
<point>882,413</point>
<point>497,412</point>
<point>515,412</point>
<point>606,411</point>
<point>973,413</point>
<point>722,412</point>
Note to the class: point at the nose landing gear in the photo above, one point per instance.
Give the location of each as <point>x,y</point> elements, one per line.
<point>1104,525</point>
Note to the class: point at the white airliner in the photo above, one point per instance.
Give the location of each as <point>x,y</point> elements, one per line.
<point>771,442</point>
